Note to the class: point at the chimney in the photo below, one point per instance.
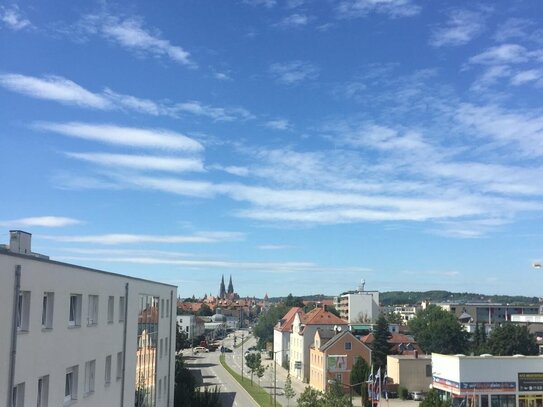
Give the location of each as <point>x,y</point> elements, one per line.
<point>20,242</point>
<point>416,354</point>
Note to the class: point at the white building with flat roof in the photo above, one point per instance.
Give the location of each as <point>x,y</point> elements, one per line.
<point>78,336</point>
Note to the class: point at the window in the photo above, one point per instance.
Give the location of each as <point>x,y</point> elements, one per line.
<point>166,349</point>
<point>121,309</point>
<point>90,368</point>
<point>23,311</point>
<point>47,311</point>
<point>92,311</point>
<point>18,395</point>
<point>119,365</point>
<point>75,310</point>
<point>70,386</point>
<point>43,391</point>
<point>159,388</point>
<point>167,308</point>
<point>107,375</point>
<point>165,386</point>
<point>162,308</point>
<point>160,347</point>
<point>110,309</point>
<point>428,370</point>
<point>348,345</point>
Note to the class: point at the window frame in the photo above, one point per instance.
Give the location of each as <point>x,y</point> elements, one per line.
<point>110,309</point>
<point>70,386</point>
<point>121,308</point>
<point>47,312</point>
<point>74,310</point>
<point>42,399</point>
<point>90,378</point>
<point>23,311</point>
<point>107,371</point>
<point>18,395</point>
<point>92,310</point>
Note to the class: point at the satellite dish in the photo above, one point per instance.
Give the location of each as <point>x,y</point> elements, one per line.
<point>339,329</point>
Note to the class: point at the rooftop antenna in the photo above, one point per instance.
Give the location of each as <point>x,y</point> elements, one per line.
<point>361,286</point>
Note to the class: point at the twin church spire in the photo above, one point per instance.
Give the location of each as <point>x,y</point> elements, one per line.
<point>223,293</point>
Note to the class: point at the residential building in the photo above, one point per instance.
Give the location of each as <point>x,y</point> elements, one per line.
<point>487,313</point>
<point>486,380</point>
<point>412,371</point>
<point>400,344</point>
<point>193,326</point>
<point>76,335</point>
<point>303,335</point>
<point>281,335</point>
<point>358,306</point>
<point>332,357</point>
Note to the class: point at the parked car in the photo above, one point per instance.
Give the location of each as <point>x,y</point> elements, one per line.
<point>200,349</point>
<point>224,349</point>
<point>417,395</point>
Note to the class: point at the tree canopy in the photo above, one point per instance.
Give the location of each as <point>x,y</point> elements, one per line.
<point>380,346</point>
<point>437,330</point>
<point>263,330</point>
<point>510,339</point>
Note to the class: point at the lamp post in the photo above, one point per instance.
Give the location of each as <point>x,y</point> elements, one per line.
<point>275,376</point>
<point>242,356</point>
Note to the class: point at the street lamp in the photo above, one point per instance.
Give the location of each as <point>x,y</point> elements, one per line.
<point>275,376</point>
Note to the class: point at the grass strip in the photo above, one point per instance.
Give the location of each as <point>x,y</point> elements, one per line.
<point>261,396</point>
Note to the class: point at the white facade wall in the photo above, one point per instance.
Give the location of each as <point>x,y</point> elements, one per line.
<point>49,352</point>
<point>364,304</point>
<point>189,325</point>
<point>281,346</point>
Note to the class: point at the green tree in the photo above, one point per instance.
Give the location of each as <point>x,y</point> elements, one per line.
<point>207,398</point>
<point>205,311</point>
<point>254,363</point>
<point>263,330</point>
<point>432,399</point>
<point>437,330</point>
<point>510,339</point>
<point>333,310</point>
<point>291,301</point>
<point>289,390</point>
<point>310,398</point>
<point>181,339</point>
<point>184,384</point>
<point>380,346</point>
<point>394,318</point>
<point>335,397</point>
<point>359,374</point>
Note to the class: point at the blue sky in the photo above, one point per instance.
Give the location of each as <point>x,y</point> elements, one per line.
<point>299,146</point>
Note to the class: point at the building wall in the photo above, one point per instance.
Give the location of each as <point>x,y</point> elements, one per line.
<point>281,346</point>
<point>359,306</point>
<point>317,371</point>
<point>42,352</point>
<point>413,373</point>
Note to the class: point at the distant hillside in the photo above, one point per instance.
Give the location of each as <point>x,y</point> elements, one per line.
<point>414,297</point>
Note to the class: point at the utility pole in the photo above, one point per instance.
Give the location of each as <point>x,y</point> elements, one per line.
<point>242,356</point>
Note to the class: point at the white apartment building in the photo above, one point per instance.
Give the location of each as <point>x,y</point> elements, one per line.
<point>358,306</point>
<point>82,337</point>
<point>192,325</point>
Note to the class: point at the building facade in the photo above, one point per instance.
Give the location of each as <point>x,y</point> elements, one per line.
<point>414,372</point>
<point>76,335</point>
<point>281,336</point>
<point>489,381</point>
<point>192,325</point>
<point>358,306</point>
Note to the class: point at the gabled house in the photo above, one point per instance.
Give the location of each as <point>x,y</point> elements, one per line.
<point>302,337</point>
<point>332,357</point>
<point>400,344</point>
<point>281,335</point>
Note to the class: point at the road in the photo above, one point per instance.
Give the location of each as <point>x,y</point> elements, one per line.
<point>208,371</point>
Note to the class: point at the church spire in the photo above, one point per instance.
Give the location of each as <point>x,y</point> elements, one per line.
<point>222,291</point>
<point>230,286</point>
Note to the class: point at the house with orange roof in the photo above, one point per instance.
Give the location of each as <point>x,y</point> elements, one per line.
<point>302,337</point>
<point>332,357</point>
<point>400,344</point>
<point>281,335</point>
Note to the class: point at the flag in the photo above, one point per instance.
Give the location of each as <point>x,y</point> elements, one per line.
<point>385,384</point>
<point>377,385</point>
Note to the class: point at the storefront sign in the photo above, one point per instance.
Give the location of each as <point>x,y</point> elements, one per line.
<point>530,381</point>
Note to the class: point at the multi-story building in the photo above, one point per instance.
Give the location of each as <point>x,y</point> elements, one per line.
<point>332,357</point>
<point>358,306</point>
<point>412,371</point>
<point>192,325</point>
<point>75,335</point>
<point>487,313</point>
<point>302,337</point>
<point>281,335</point>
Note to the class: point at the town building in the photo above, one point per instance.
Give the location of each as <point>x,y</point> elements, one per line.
<point>80,335</point>
<point>489,381</point>
<point>192,325</point>
<point>358,306</point>
<point>487,313</point>
<point>332,357</point>
<point>412,371</point>
<point>302,337</point>
<point>281,336</point>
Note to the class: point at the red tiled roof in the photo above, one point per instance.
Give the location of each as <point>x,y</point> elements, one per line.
<point>285,324</point>
<point>319,316</point>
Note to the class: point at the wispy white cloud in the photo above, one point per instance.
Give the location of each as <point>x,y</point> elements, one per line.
<point>273,247</point>
<point>130,33</point>
<point>265,3</point>
<point>294,20</point>
<point>41,221</point>
<point>278,124</point>
<point>62,90</point>
<point>142,162</point>
<point>13,18</point>
<point>391,8</point>
<point>119,238</point>
<point>222,76</point>
<point>502,54</point>
<point>231,169</point>
<point>290,73</point>
<point>527,76</point>
<point>519,29</point>
<point>215,113</point>
<point>461,28</point>
<point>54,88</point>
<point>126,136</point>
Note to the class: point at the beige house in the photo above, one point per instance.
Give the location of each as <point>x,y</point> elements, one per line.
<point>414,372</point>
<point>302,337</point>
